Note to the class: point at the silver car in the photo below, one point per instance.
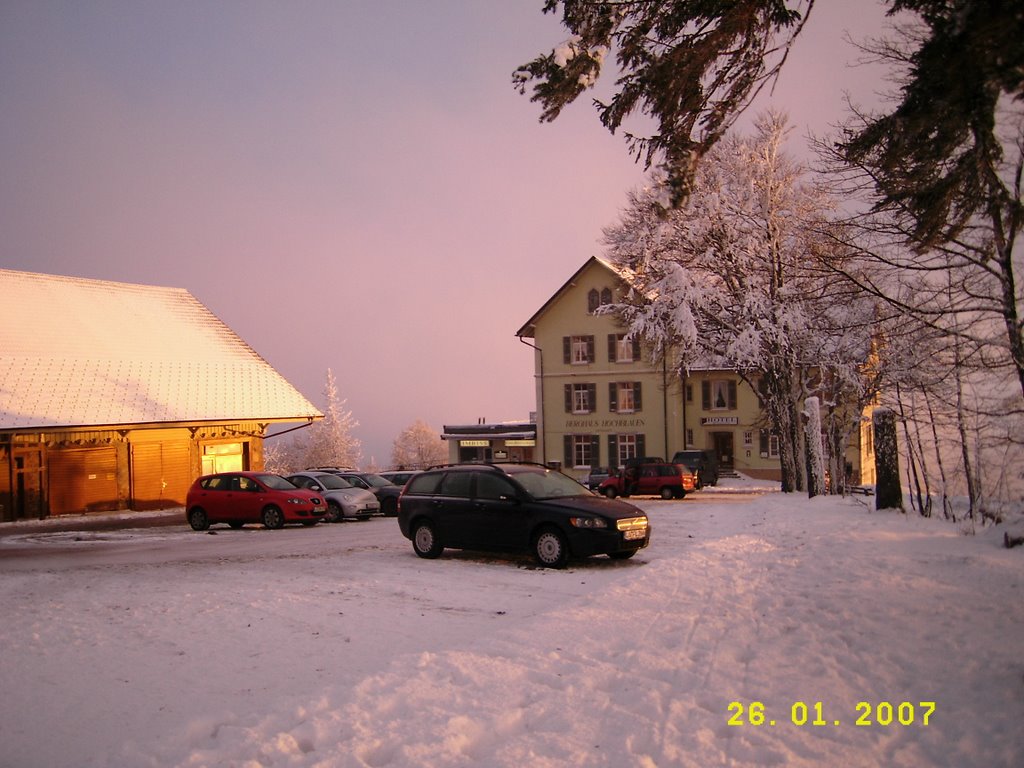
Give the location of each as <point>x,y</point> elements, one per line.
<point>344,500</point>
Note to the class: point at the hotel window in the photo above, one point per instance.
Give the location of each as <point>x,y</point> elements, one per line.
<point>580,398</point>
<point>577,350</point>
<point>718,395</point>
<point>623,350</point>
<point>596,300</point>
<point>769,445</point>
<point>624,397</point>
<point>621,448</point>
<point>581,451</point>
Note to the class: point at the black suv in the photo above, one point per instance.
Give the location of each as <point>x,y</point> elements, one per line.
<point>704,464</point>
<point>516,508</point>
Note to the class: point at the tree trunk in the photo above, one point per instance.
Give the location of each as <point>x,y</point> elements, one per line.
<point>815,459</point>
<point>888,493</point>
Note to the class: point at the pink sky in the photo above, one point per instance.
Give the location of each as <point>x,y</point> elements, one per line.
<point>353,186</point>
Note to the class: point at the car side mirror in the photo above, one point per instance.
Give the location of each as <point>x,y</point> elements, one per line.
<point>315,487</point>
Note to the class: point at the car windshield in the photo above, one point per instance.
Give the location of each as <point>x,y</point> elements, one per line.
<point>276,482</point>
<point>333,482</point>
<point>549,484</point>
<point>376,480</point>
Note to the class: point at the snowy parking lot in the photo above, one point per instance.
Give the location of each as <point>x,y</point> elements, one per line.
<point>757,629</point>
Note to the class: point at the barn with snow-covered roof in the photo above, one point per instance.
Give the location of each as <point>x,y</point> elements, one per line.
<point>117,396</point>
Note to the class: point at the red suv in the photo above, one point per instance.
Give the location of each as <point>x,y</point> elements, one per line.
<point>670,481</point>
<point>237,498</point>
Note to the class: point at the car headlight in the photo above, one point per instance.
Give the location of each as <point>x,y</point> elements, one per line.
<point>298,501</point>
<point>588,522</point>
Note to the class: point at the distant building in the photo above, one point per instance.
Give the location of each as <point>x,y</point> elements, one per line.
<point>116,396</point>
<point>603,399</point>
<point>505,441</point>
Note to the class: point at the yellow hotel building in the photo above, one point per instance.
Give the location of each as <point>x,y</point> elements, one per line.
<point>602,400</point>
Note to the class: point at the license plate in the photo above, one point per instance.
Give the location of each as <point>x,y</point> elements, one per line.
<point>318,510</point>
<point>636,533</point>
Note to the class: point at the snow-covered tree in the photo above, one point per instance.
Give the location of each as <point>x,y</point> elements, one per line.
<point>418,446</point>
<point>734,279</point>
<point>329,442</point>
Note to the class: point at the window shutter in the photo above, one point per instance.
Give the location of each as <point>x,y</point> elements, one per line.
<point>641,445</point>
<point>613,452</point>
<point>764,443</point>
<point>732,395</point>
<point>566,350</point>
<point>568,451</point>
<point>705,395</point>
<point>636,350</point>
<point>568,398</point>
<point>595,450</point>
<point>613,397</point>
<point>593,301</point>
<point>590,349</point>
<point>591,397</point>
<point>612,341</point>
<point>637,400</point>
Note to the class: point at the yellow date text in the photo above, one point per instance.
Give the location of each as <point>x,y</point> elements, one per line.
<point>813,713</point>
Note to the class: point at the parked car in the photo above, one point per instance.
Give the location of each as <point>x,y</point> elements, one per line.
<point>702,463</point>
<point>597,476</point>
<point>237,498</point>
<point>386,492</point>
<point>344,500</point>
<point>670,481</point>
<point>399,476</point>
<point>516,508</point>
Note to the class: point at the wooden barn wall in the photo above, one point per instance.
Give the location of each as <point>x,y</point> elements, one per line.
<point>74,471</point>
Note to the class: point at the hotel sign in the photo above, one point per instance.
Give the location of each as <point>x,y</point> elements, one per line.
<point>520,443</point>
<point>720,421</point>
<point>474,443</point>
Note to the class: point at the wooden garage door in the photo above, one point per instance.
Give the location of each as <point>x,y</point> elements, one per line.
<point>161,475</point>
<point>82,480</point>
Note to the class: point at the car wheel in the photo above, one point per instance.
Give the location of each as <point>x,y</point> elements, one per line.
<point>334,512</point>
<point>198,519</point>
<point>610,493</point>
<point>622,555</point>
<point>425,541</point>
<point>273,518</point>
<point>667,492</point>
<point>550,548</point>
<point>389,507</point>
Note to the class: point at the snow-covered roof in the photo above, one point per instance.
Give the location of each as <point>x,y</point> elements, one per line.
<point>81,352</point>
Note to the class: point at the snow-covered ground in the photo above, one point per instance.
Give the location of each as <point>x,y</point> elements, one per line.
<point>337,646</point>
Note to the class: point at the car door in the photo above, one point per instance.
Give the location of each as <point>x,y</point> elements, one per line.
<point>215,496</point>
<point>497,518</point>
<point>649,480</point>
<point>246,499</point>
<point>452,508</point>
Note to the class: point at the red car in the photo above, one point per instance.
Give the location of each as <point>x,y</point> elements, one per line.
<point>237,498</point>
<point>670,481</point>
